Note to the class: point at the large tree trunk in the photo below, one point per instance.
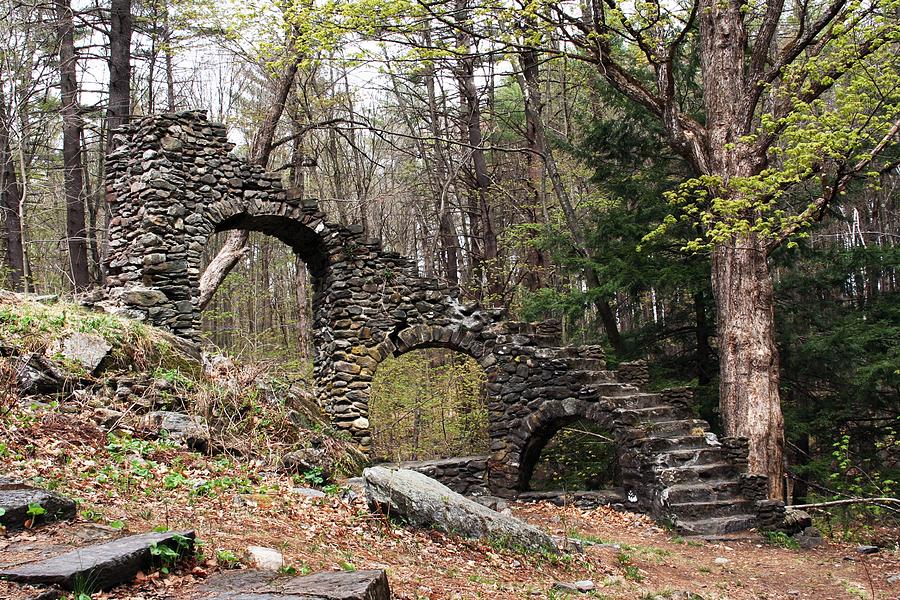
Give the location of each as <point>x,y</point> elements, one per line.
<point>749,401</point>
<point>748,358</point>
<point>76,233</point>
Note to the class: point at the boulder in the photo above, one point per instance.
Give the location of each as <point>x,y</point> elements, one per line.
<point>38,375</point>
<point>795,520</point>
<point>192,430</point>
<point>17,502</point>
<point>809,538</point>
<point>86,349</point>
<point>424,502</point>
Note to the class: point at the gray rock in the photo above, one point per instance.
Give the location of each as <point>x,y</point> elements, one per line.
<point>809,538</point>
<point>143,296</point>
<point>492,502</point>
<point>893,579</point>
<point>101,566</point>
<point>107,418</point>
<point>38,375</point>
<point>868,549</point>
<point>424,502</point>
<point>260,585</point>
<point>16,498</point>
<point>192,430</point>
<point>795,520</point>
<point>86,349</point>
<point>267,559</point>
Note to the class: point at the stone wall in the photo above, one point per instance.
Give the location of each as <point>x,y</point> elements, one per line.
<point>172,183</point>
<point>465,474</point>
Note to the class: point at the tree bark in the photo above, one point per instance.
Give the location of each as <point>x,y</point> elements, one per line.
<point>749,402</point>
<point>73,174</point>
<point>234,248</point>
<point>11,192</point>
<point>119,108</point>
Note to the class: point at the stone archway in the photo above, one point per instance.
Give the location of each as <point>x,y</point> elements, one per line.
<point>540,427</point>
<point>172,182</point>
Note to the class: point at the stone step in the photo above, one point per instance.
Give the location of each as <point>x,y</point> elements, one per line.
<point>691,457</point>
<point>676,428</point>
<point>587,364</point>
<point>697,474</point>
<point>639,400</point>
<point>21,503</point>
<point>595,377</point>
<point>715,508</point>
<point>652,414</point>
<point>654,445</point>
<point>716,489</point>
<point>101,566</point>
<point>716,525</point>
<point>264,585</point>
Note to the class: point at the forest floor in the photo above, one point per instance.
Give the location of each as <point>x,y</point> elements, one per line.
<point>137,485</point>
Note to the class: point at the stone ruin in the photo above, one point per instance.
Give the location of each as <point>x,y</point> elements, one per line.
<point>172,183</point>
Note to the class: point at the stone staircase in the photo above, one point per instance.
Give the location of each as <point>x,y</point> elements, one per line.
<point>690,478</point>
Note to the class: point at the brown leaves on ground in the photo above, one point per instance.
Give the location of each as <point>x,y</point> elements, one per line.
<point>143,485</point>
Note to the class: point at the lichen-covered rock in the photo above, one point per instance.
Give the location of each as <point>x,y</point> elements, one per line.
<point>190,429</point>
<point>86,349</point>
<point>424,502</point>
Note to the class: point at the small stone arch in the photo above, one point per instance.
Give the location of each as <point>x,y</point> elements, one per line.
<point>539,427</point>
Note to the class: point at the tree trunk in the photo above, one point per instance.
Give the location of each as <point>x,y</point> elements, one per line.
<point>233,249</point>
<point>72,169</point>
<point>481,209</point>
<point>236,240</point>
<point>704,350</point>
<point>11,192</point>
<point>749,402</point>
<point>168,54</point>
<point>119,68</point>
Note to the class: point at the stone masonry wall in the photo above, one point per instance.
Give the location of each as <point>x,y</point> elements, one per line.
<point>172,183</point>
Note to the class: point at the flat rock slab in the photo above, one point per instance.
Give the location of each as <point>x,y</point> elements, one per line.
<point>101,566</point>
<point>260,585</point>
<point>16,499</point>
<point>424,502</point>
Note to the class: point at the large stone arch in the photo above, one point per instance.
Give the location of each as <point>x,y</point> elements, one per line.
<point>172,182</point>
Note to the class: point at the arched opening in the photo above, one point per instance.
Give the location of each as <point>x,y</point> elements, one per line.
<point>426,404</point>
<point>265,304</point>
<point>571,446</point>
<point>582,455</point>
